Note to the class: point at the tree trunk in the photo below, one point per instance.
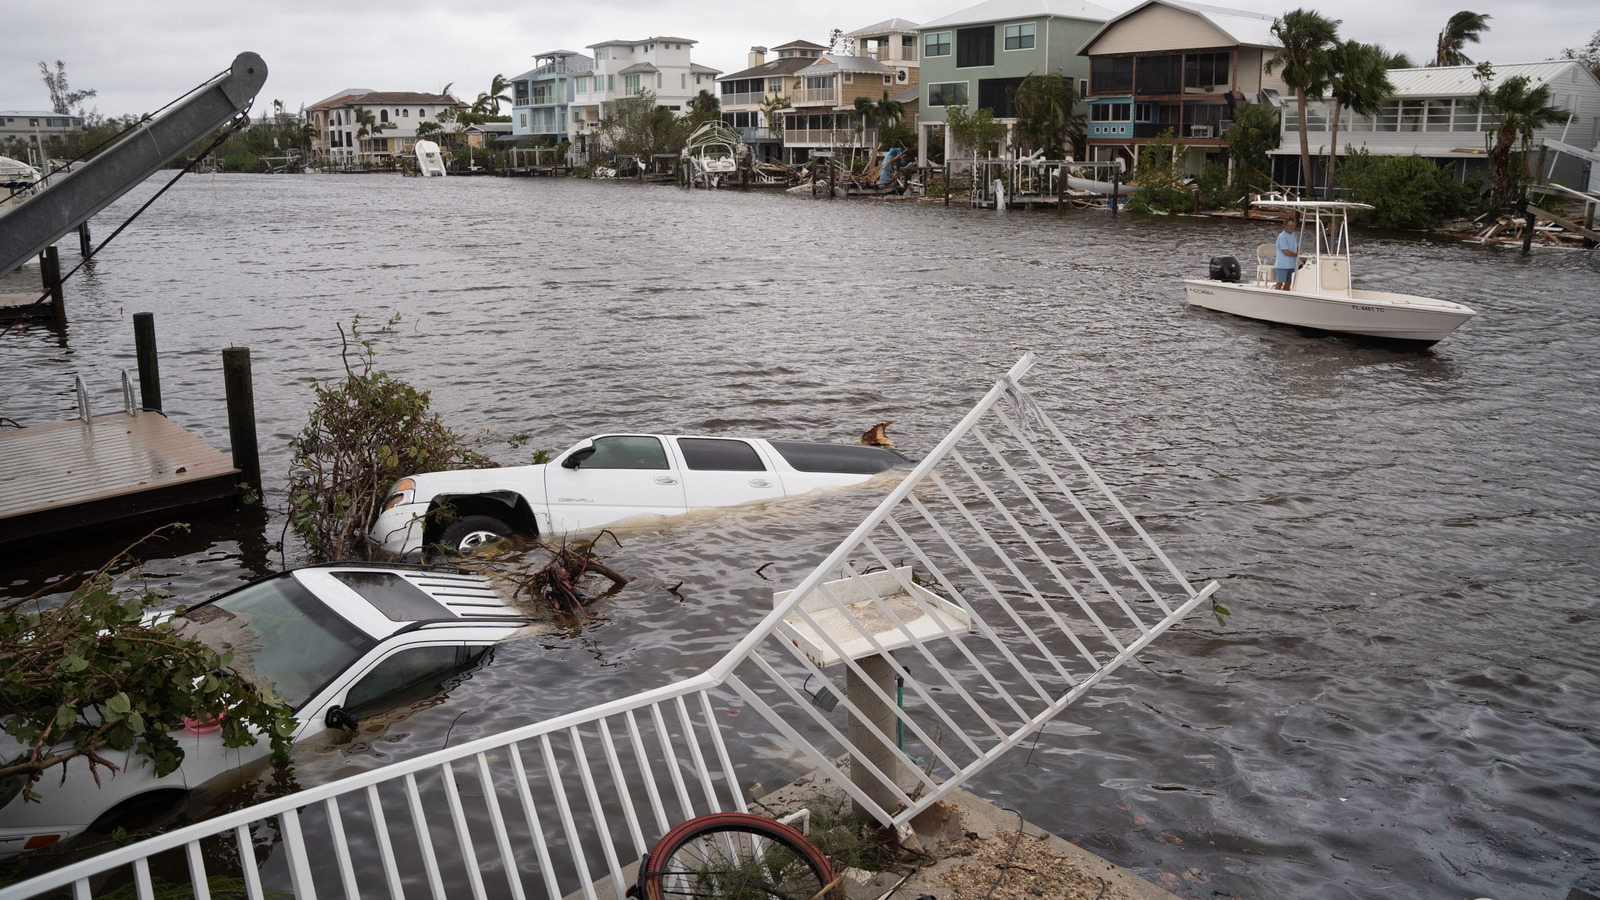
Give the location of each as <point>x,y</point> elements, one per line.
<point>1333,151</point>
<point>1305,145</point>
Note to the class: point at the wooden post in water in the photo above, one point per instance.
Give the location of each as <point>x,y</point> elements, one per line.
<point>1116,188</point>
<point>241,414</point>
<point>84,247</point>
<point>1527,233</point>
<point>947,184</point>
<point>144,345</point>
<point>50,274</point>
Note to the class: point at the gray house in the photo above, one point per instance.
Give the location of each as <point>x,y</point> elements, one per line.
<point>978,56</point>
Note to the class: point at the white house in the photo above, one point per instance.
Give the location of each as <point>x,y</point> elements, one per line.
<point>1431,115</point>
<point>396,113</point>
<point>624,69</point>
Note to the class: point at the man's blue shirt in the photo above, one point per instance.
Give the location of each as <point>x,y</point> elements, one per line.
<point>1291,243</point>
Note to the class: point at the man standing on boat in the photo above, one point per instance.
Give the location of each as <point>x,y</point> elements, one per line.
<point>1288,254</point>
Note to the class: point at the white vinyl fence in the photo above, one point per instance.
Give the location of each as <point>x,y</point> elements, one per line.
<point>1001,580</point>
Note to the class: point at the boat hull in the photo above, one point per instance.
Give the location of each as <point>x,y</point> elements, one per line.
<point>1374,314</point>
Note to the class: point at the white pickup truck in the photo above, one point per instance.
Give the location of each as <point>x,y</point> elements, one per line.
<point>607,479</point>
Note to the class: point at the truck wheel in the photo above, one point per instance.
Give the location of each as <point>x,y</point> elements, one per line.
<point>471,532</point>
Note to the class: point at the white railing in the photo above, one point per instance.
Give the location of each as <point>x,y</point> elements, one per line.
<point>1016,580</point>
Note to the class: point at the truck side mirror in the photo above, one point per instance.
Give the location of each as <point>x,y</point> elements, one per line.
<point>340,718</point>
<point>576,457</point>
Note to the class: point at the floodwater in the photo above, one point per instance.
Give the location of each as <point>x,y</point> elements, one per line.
<point>1402,703</point>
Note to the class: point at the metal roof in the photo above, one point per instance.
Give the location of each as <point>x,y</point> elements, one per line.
<point>697,69</point>
<point>1247,29</point>
<point>887,25</point>
<point>997,10</point>
<point>557,53</point>
<point>800,45</point>
<point>638,69</point>
<point>840,63</point>
<point>787,65</point>
<point>909,95</point>
<point>1458,81</point>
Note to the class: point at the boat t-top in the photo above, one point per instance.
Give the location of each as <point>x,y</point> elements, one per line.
<point>1319,295</point>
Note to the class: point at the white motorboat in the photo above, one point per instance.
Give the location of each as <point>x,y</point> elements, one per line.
<point>1320,296</point>
<point>430,162</point>
<point>18,182</point>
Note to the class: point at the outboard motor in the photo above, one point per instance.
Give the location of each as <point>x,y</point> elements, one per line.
<point>1225,268</point>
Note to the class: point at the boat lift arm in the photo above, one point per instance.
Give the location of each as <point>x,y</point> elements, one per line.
<point>73,198</point>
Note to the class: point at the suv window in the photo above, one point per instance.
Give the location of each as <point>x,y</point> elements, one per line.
<point>418,667</point>
<point>805,456</point>
<point>398,599</point>
<point>627,452</point>
<point>718,455</point>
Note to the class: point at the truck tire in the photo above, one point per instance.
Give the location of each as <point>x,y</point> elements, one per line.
<point>471,532</point>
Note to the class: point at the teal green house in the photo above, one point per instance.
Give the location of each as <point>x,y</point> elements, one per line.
<point>978,56</point>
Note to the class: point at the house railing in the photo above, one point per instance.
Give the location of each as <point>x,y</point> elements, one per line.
<point>891,53</point>
<point>1001,580</point>
<point>813,96</point>
<point>753,98</point>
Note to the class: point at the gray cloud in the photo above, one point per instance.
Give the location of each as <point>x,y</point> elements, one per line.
<point>140,54</point>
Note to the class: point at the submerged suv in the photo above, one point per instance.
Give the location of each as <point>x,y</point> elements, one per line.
<point>609,479</point>
<point>335,642</point>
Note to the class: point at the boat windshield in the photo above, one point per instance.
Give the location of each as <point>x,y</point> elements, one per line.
<point>281,636</point>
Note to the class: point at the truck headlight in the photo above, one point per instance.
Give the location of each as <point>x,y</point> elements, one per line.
<point>404,491</point>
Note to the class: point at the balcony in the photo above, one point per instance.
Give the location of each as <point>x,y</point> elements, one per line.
<point>891,54</point>
<point>815,96</point>
<point>829,137</point>
<point>750,99</point>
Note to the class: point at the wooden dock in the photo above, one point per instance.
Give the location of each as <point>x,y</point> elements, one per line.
<point>71,475</point>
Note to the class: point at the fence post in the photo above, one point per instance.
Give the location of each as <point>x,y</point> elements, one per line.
<point>144,344</point>
<point>241,414</point>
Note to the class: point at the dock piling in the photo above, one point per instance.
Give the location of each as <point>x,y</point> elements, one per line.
<point>241,415</point>
<point>50,274</point>
<point>84,244</point>
<point>144,344</point>
<point>1527,233</point>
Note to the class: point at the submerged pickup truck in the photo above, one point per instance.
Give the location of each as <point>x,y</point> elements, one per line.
<point>610,478</point>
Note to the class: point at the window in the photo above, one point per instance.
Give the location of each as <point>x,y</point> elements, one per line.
<point>658,80</point>
<point>627,452</point>
<point>952,93</point>
<point>1160,74</point>
<point>1110,112</point>
<point>1466,118</point>
<point>774,85</point>
<point>405,113</point>
<point>936,44</point>
<point>707,454</point>
<point>1438,115</point>
<point>383,115</point>
<point>601,54</point>
<point>522,120</point>
<point>1206,70</point>
<point>418,668</point>
<point>996,94</point>
<point>819,82</point>
<point>888,79</point>
<point>1019,37</point>
<point>1410,115</point>
<point>611,82</point>
<point>630,84</point>
<point>421,113</point>
<point>581,85</point>
<point>849,78</point>
<point>1111,73</point>
<point>975,47</point>
<point>683,81</point>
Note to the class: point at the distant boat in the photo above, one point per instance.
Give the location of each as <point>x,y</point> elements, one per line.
<point>1320,295</point>
<point>1100,187</point>
<point>429,160</point>
<point>18,181</point>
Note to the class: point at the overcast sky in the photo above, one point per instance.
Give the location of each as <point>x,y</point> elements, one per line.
<point>140,54</point>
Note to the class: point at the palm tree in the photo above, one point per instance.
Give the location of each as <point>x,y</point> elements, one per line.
<point>1464,28</point>
<point>1044,112</point>
<point>370,126</point>
<point>1358,80</point>
<point>1399,60</point>
<point>1306,37</point>
<point>1521,111</point>
<point>497,92</point>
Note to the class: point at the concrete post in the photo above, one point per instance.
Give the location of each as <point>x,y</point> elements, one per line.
<point>881,715</point>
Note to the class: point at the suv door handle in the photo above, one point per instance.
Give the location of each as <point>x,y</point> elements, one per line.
<point>760,482</point>
<point>666,479</point>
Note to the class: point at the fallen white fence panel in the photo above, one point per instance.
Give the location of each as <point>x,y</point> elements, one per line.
<point>1000,581</point>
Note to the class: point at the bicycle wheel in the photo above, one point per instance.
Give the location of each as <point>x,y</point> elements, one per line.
<point>736,856</point>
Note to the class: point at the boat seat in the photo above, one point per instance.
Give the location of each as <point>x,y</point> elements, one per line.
<point>1266,263</point>
<point>1334,274</point>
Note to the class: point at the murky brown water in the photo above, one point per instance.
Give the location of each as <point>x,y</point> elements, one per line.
<point>1408,540</point>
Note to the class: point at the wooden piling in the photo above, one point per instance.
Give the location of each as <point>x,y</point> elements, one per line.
<point>947,184</point>
<point>1116,188</point>
<point>144,345</point>
<point>50,274</point>
<point>84,244</point>
<point>1527,233</point>
<point>241,415</point>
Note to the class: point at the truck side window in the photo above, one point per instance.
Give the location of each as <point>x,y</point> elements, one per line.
<point>719,455</point>
<point>627,452</point>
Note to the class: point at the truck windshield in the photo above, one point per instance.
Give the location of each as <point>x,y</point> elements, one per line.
<point>282,637</point>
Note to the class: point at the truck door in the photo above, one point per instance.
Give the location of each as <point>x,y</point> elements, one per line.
<point>725,472</point>
<point>625,476</point>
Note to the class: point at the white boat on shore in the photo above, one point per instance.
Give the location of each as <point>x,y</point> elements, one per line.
<point>1320,296</point>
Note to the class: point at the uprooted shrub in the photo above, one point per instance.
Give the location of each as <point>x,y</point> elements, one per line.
<point>554,582</point>
<point>366,431</point>
<point>91,676</point>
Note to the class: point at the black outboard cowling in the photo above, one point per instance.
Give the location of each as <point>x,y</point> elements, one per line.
<point>1225,268</point>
